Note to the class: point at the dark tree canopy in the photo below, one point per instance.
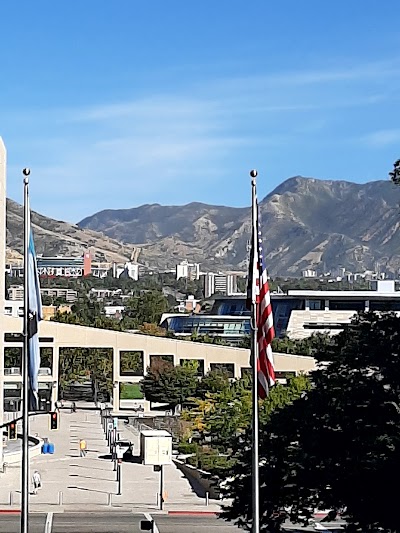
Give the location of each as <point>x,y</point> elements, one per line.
<point>338,446</point>
<point>213,382</point>
<point>166,383</point>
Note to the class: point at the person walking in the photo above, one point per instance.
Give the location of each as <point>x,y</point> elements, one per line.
<point>82,448</point>
<point>36,481</point>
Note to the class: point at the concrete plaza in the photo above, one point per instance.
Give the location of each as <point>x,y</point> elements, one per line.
<point>73,482</point>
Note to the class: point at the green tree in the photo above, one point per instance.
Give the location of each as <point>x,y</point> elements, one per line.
<point>166,383</point>
<point>213,382</point>
<point>338,446</point>
<point>145,308</point>
<point>81,364</point>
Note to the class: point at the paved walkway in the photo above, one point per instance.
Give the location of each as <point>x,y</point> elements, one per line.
<point>89,481</point>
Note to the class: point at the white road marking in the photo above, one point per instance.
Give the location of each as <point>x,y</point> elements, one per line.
<point>49,523</point>
<point>149,517</point>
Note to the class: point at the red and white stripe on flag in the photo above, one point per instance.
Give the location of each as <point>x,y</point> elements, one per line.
<point>258,295</point>
<point>265,334</point>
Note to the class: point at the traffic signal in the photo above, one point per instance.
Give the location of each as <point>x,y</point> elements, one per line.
<point>12,431</point>
<point>53,420</point>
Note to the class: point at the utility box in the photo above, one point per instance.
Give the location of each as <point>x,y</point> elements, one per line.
<point>155,447</point>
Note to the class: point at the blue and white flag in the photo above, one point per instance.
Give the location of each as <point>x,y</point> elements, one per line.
<point>35,314</point>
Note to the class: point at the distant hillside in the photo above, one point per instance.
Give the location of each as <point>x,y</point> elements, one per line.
<point>307,223</point>
<point>53,237</point>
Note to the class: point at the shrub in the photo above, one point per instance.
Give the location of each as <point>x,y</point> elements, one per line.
<point>186,447</point>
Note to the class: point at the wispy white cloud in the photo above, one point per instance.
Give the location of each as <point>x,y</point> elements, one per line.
<point>382,138</point>
<point>129,152</point>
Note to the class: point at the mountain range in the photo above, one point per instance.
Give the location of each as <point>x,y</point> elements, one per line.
<point>306,223</point>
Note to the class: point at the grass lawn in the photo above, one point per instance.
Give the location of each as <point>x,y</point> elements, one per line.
<point>130,391</point>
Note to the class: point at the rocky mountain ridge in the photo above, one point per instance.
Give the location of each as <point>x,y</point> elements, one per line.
<point>306,223</point>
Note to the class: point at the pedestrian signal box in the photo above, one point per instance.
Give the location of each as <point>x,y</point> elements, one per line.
<point>12,431</point>
<point>54,420</point>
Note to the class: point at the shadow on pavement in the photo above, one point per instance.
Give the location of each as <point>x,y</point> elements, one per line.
<point>88,490</point>
<point>127,458</point>
<point>91,467</point>
<point>91,477</point>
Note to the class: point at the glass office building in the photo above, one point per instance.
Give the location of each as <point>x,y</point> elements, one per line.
<point>229,319</point>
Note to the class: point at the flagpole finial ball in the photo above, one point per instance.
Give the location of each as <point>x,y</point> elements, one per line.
<point>253,173</point>
<point>26,171</point>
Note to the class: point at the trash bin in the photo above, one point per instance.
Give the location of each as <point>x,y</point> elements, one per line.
<point>50,448</point>
<point>45,447</point>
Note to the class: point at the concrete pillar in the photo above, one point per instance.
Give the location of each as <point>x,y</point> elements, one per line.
<point>3,164</point>
<point>115,393</point>
<point>54,372</point>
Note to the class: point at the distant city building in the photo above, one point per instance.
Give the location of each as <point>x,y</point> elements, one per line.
<point>309,273</point>
<point>74,267</point>
<point>188,270</point>
<point>68,295</point>
<point>15,308</point>
<point>126,270</point>
<point>114,311</point>
<point>100,269</point>
<point>58,266</point>
<point>101,294</point>
<point>297,314</point>
<point>16,293</point>
<point>219,284</point>
<point>188,305</point>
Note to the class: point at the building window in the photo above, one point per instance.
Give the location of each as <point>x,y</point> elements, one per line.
<point>285,374</point>
<point>131,363</point>
<point>229,368</point>
<point>200,367</point>
<point>46,360</point>
<point>316,305</point>
<point>339,305</point>
<point>13,337</point>
<point>12,360</point>
<point>130,391</point>
<point>167,358</point>
<point>245,371</point>
<point>384,306</point>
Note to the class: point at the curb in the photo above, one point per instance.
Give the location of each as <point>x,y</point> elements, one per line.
<point>10,511</point>
<point>194,513</point>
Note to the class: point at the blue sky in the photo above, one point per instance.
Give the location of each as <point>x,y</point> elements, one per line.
<point>116,104</point>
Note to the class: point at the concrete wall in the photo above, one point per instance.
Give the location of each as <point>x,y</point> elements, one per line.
<point>298,319</point>
<point>68,335</point>
<point>202,481</point>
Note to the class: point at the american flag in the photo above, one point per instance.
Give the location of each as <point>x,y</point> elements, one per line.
<point>259,296</point>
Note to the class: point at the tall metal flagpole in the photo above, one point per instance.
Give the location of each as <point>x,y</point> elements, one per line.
<point>25,366</point>
<point>254,362</point>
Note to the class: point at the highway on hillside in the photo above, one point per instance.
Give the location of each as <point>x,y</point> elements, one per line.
<point>113,522</point>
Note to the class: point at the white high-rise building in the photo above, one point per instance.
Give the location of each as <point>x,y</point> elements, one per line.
<point>188,270</point>
<point>219,283</point>
<point>130,270</point>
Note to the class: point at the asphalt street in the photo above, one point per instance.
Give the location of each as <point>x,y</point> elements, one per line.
<point>113,522</point>
<point>193,524</point>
